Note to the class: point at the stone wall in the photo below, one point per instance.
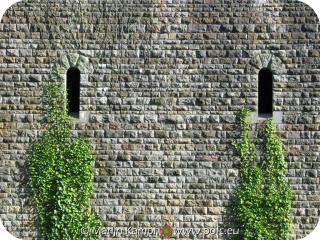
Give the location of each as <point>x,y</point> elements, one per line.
<point>161,88</point>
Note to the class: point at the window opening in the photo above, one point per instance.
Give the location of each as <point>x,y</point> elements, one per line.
<point>73,91</point>
<point>265,92</point>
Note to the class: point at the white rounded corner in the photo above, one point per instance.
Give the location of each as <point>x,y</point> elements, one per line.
<point>314,235</point>
<point>314,4</point>
<point>4,234</point>
<point>5,4</point>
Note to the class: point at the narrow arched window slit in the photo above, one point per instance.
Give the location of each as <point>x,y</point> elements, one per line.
<point>73,91</point>
<point>265,93</point>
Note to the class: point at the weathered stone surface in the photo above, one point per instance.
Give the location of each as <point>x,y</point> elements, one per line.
<point>161,89</point>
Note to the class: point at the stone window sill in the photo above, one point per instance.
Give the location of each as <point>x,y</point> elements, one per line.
<point>82,116</point>
<point>260,118</point>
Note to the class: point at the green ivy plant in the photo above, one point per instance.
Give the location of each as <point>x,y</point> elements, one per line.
<point>60,173</point>
<point>261,204</point>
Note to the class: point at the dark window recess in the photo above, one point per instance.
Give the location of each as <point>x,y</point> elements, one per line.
<point>265,97</point>
<point>73,91</point>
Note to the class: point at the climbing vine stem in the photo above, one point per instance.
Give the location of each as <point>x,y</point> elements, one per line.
<point>261,204</point>
<point>60,173</point>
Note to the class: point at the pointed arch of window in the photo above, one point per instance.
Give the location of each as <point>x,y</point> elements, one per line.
<point>73,91</point>
<point>265,92</point>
